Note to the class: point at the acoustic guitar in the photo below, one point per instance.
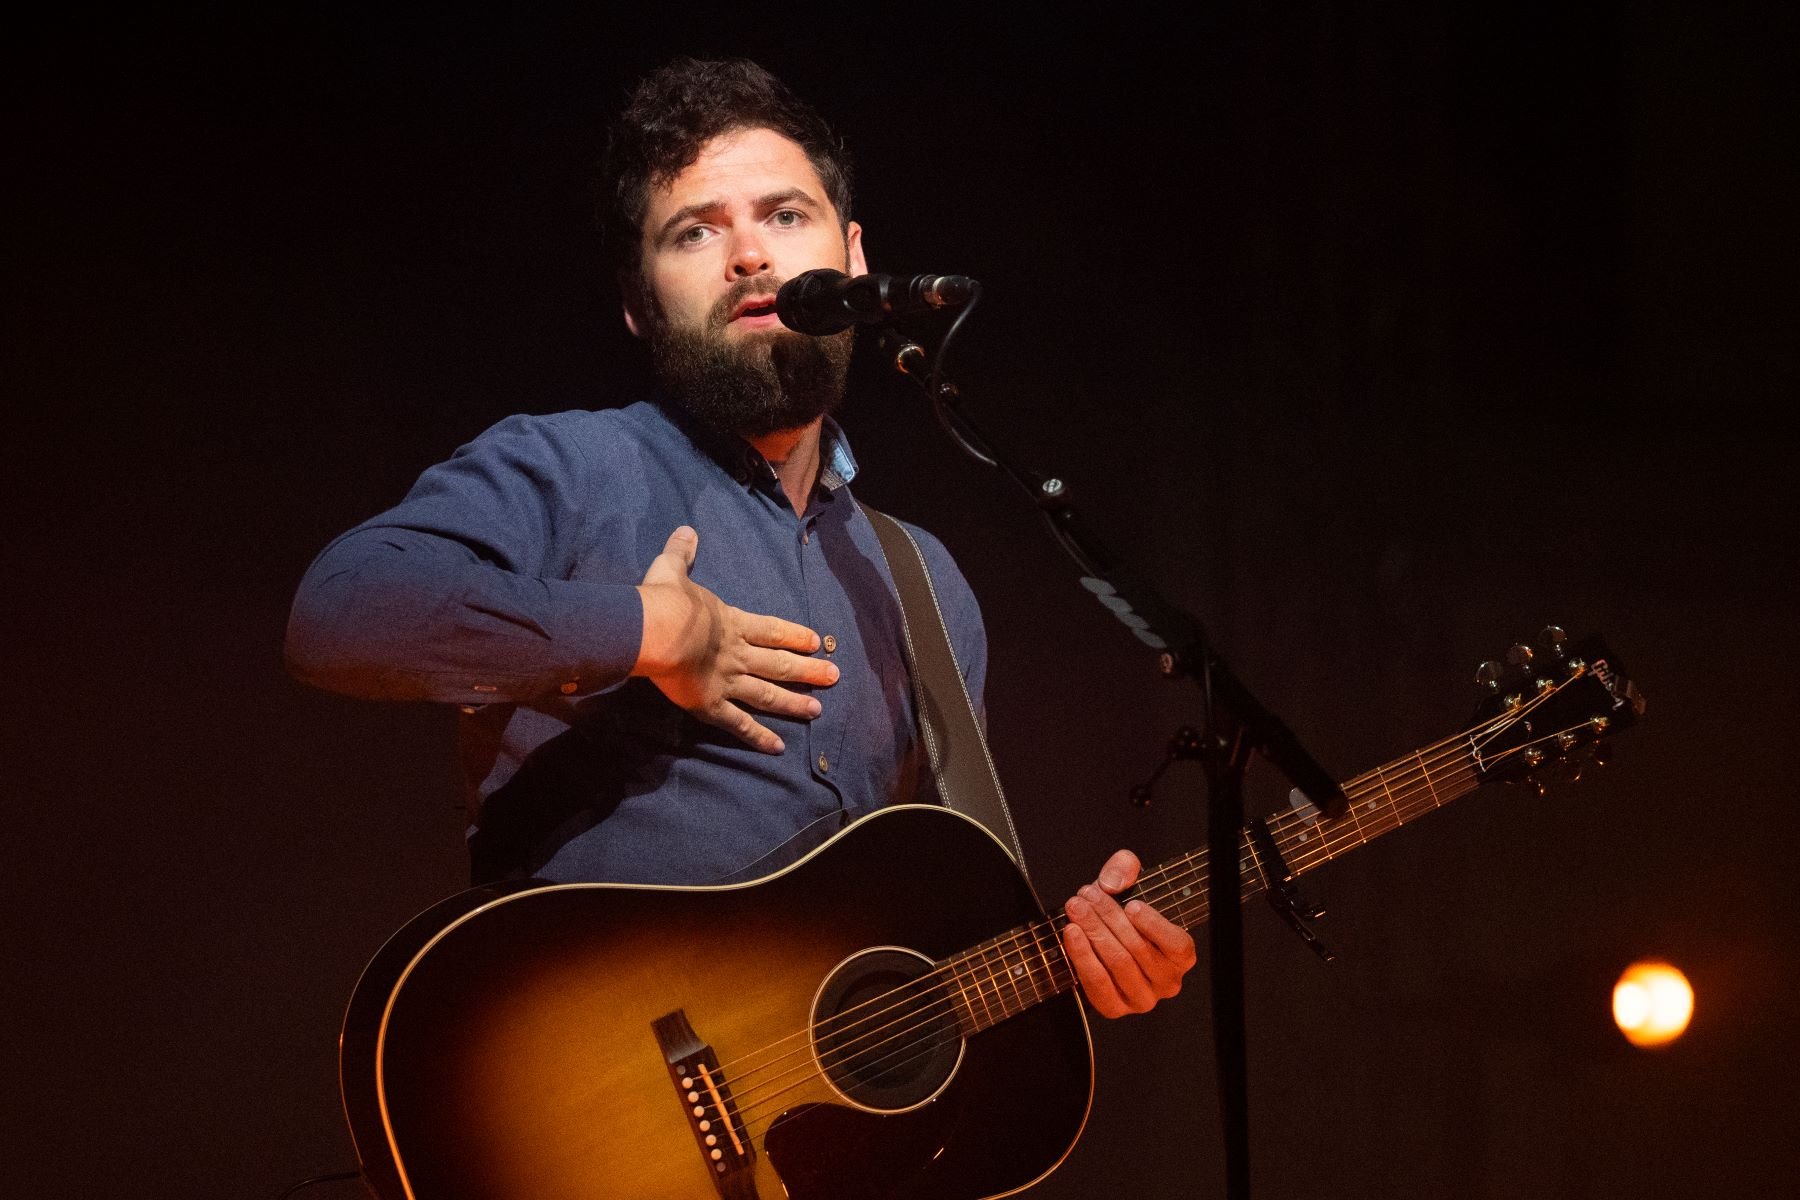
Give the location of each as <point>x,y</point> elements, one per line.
<point>890,1017</point>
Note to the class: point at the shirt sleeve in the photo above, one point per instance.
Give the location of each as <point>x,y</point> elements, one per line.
<point>465,592</point>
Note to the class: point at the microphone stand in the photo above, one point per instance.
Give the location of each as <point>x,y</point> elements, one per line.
<point>1234,725</point>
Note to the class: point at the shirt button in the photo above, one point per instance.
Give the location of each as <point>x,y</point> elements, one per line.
<point>830,644</point>
<point>805,538</point>
<point>824,764</point>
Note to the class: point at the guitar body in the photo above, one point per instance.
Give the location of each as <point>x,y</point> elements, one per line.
<point>501,1046</point>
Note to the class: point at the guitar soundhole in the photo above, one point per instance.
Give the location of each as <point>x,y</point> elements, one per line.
<point>885,1031</point>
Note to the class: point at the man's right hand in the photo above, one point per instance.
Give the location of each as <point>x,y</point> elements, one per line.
<point>709,657</point>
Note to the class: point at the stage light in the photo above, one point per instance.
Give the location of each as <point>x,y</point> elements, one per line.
<point>1652,1003</point>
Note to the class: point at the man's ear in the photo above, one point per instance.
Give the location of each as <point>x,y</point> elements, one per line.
<point>853,242</point>
<point>632,302</point>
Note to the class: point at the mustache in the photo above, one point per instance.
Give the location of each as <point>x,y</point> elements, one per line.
<point>743,289</point>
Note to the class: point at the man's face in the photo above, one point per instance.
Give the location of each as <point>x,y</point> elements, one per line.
<point>746,216</point>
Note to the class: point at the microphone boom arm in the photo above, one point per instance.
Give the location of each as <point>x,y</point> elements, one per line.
<point>1178,635</point>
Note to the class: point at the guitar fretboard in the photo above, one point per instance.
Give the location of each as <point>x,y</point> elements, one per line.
<point>1024,966</point>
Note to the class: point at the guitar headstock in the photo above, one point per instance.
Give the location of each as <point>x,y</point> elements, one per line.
<point>1547,708</point>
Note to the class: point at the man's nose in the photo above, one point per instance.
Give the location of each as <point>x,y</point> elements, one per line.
<point>747,257</point>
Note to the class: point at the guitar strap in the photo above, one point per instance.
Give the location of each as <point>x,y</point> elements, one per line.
<point>954,744</point>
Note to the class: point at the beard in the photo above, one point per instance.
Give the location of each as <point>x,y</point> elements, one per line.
<point>755,385</point>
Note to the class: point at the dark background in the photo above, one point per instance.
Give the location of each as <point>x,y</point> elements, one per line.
<point>1381,338</point>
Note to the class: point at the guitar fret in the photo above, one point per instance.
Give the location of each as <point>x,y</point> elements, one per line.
<point>1381,777</point>
<point>1428,783</point>
<point>970,1021</point>
<point>999,979</point>
<point>993,1000</point>
<point>1021,971</point>
<point>1255,860</point>
<point>1350,811</point>
<point>1057,971</point>
<point>1057,976</point>
<point>1020,966</point>
<point>1008,1007</point>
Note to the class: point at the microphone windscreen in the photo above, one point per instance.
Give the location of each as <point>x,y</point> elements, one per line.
<point>810,302</point>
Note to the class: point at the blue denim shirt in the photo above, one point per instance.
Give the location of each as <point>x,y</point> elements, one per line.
<point>505,583</point>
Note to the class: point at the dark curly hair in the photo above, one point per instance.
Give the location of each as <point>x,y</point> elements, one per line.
<point>678,109</point>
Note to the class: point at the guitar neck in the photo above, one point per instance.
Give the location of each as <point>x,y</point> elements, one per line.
<point>1538,718</point>
<point>1380,801</point>
<point>1025,966</point>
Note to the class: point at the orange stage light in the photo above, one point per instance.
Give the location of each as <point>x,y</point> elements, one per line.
<point>1652,1003</point>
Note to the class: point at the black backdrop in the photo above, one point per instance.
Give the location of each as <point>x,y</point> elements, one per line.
<point>1380,338</point>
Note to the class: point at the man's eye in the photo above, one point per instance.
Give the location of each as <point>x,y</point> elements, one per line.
<point>787,218</point>
<point>692,234</point>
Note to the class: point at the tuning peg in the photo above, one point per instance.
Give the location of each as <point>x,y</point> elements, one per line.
<point>1552,642</point>
<point>1487,677</point>
<point>1519,656</point>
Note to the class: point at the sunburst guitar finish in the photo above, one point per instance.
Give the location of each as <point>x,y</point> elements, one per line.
<point>797,1036</point>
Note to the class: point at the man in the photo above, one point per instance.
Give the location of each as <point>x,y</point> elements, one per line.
<point>672,634</point>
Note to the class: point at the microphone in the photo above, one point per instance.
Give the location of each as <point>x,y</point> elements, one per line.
<point>825,301</point>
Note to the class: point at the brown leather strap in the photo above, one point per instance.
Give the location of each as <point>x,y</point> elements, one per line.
<point>958,752</point>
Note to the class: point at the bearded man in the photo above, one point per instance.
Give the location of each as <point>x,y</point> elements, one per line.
<point>671,633</point>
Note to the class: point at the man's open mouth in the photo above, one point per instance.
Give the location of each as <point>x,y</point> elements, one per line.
<point>755,306</point>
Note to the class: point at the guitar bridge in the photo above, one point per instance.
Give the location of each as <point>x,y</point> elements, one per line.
<point>705,1097</point>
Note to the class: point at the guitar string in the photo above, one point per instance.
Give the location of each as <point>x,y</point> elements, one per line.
<point>767,1103</point>
<point>862,1044</point>
<point>1170,881</point>
<point>1449,749</point>
<point>917,1049</point>
<point>913,1049</point>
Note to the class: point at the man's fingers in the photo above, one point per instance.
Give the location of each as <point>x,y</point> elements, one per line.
<point>1124,976</point>
<point>683,543</point>
<point>743,726</point>
<point>1161,952</point>
<point>1144,953</point>
<point>760,693</point>
<point>782,666</point>
<point>1119,873</point>
<point>1107,911</point>
<point>710,658</point>
<point>1174,941</point>
<point>1127,956</point>
<point>1095,982</point>
<point>760,630</point>
<point>676,559</point>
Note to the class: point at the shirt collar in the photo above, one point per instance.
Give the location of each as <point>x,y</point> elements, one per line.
<point>837,465</point>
